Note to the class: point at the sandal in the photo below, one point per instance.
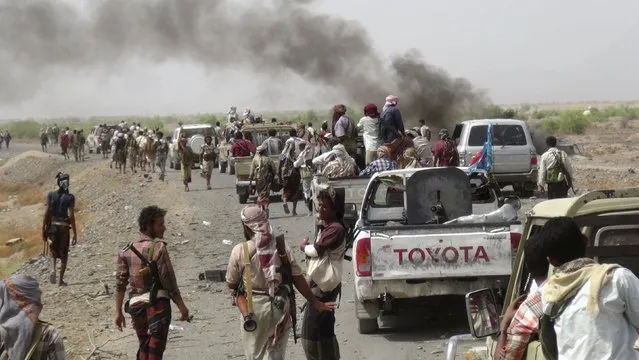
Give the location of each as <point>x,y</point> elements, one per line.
<point>286,210</point>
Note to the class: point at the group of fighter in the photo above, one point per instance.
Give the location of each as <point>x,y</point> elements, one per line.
<point>5,138</point>
<point>333,151</point>
<point>73,141</point>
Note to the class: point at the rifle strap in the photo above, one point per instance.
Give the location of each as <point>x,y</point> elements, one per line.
<point>247,276</point>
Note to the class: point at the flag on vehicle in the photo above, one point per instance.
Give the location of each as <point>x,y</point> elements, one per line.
<point>483,160</point>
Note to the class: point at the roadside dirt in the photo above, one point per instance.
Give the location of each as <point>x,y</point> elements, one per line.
<point>111,202</point>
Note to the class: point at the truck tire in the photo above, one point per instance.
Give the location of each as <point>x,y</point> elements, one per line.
<point>243,198</point>
<point>367,326</point>
<point>366,315</point>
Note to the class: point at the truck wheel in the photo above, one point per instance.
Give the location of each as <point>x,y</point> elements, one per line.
<point>367,326</point>
<point>243,198</point>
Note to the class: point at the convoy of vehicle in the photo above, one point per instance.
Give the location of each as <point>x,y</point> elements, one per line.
<point>514,155</point>
<point>608,219</point>
<point>195,134</point>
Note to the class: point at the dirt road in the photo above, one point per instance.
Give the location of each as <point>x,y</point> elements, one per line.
<point>113,201</point>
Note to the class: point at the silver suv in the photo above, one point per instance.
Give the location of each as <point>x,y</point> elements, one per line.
<point>514,155</point>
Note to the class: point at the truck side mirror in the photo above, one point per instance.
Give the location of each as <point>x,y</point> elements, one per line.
<point>350,212</point>
<point>483,316</point>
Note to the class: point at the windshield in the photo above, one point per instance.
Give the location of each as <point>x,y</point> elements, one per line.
<point>503,135</point>
<point>197,131</point>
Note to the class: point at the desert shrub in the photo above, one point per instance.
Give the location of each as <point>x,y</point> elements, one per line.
<point>573,122</point>
<point>550,125</point>
<point>24,129</point>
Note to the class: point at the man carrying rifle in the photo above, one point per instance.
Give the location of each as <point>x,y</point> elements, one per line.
<point>265,302</point>
<point>145,266</point>
<point>555,171</point>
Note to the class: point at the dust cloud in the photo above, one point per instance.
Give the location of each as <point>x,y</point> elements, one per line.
<point>37,37</point>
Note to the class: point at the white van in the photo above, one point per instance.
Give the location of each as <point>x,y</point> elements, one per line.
<point>515,157</point>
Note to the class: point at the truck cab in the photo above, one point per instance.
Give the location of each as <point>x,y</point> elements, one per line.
<point>608,219</point>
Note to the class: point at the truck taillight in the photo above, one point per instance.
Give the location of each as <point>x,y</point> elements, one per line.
<point>363,257</point>
<point>533,159</point>
<point>462,158</point>
<point>515,238</point>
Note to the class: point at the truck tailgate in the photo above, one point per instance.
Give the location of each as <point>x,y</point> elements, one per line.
<point>422,256</point>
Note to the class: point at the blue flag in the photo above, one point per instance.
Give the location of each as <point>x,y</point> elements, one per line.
<point>484,159</point>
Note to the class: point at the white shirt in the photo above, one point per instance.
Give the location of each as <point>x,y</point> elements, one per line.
<point>609,335</point>
<point>370,127</point>
<point>549,160</point>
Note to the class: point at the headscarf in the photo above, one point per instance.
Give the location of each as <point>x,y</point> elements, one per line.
<point>384,151</point>
<point>256,219</point>
<point>443,134</point>
<point>340,151</point>
<point>410,159</point>
<point>20,307</point>
<point>63,182</point>
<point>370,110</point>
<point>424,130</point>
<point>391,100</point>
<point>342,166</point>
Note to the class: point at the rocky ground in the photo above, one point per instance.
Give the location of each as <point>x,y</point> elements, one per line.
<point>198,222</point>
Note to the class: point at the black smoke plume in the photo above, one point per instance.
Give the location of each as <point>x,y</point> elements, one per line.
<point>40,37</point>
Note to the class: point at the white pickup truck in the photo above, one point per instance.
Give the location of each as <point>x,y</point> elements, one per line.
<point>422,235</point>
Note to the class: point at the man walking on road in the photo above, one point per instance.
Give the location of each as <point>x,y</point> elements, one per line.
<point>145,267</point>
<point>59,218</point>
<point>259,261</point>
<point>555,171</point>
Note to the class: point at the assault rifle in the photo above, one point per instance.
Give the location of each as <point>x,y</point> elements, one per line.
<point>564,171</point>
<point>149,267</point>
<point>287,280</point>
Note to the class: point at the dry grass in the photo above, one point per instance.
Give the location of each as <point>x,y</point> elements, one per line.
<point>26,194</point>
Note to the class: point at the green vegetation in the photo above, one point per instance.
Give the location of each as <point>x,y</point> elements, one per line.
<point>571,121</point>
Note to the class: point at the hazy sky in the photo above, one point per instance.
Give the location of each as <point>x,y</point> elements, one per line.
<point>532,51</point>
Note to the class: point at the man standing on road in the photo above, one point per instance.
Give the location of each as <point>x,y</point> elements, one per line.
<point>207,159</point>
<point>150,313</point>
<point>270,301</point>
<point>554,171</point>
<point>59,217</point>
<point>162,151</point>
<point>44,140</point>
